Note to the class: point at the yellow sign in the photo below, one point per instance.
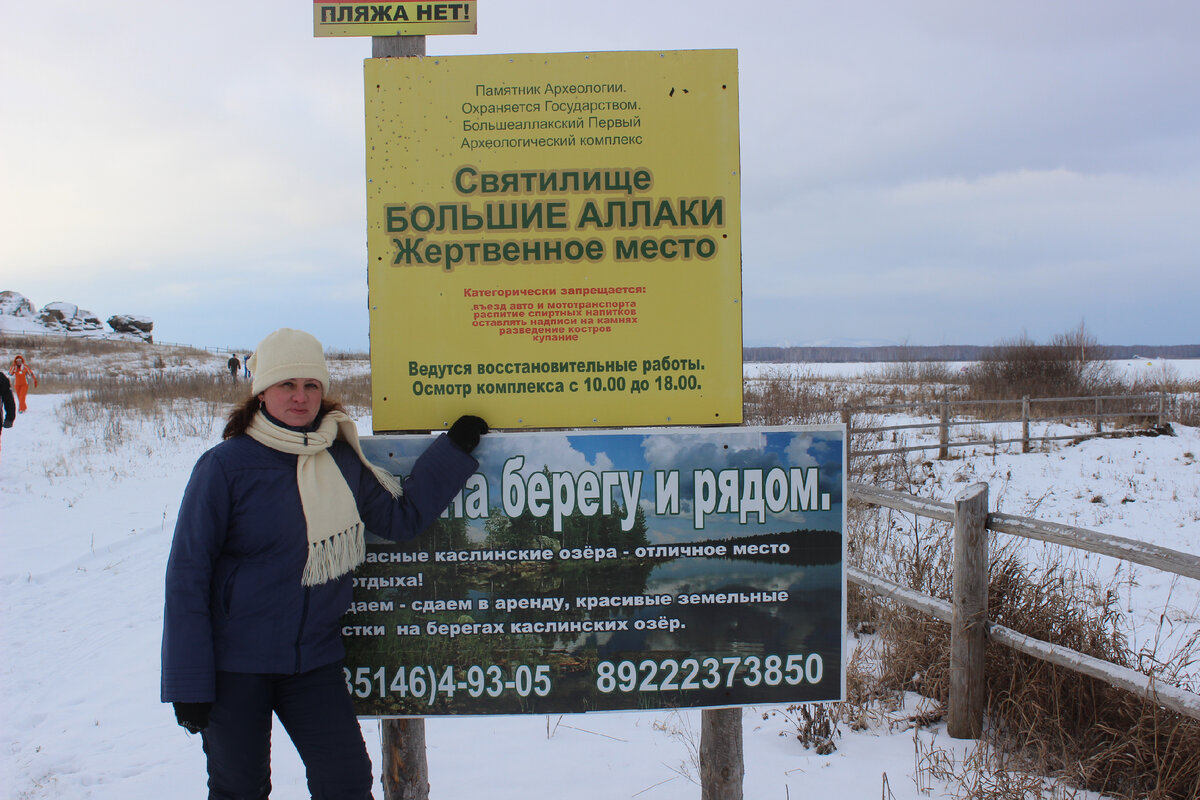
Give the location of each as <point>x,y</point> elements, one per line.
<point>396,18</point>
<point>554,239</point>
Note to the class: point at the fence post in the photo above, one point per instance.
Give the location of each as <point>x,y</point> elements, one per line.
<point>1162,407</point>
<point>944,430</point>
<point>1025,424</point>
<point>1099,422</point>
<point>405,768</point>
<point>721,764</point>
<point>964,718</point>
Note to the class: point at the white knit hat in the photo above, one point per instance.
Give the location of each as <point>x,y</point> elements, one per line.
<point>288,353</point>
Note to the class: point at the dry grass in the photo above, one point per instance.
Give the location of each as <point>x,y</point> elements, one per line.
<point>782,397</point>
<point>1041,719</point>
<point>1183,395</point>
<point>1071,365</point>
<point>1097,736</point>
<point>65,364</point>
<point>178,390</point>
<point>932,375</point>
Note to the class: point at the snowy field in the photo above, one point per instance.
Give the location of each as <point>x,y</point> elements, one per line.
<point>87,522</point>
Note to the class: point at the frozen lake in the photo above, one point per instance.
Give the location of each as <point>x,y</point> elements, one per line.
<point>1129,369</point>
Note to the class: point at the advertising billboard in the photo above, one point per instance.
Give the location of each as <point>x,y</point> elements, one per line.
<point>611,570</point>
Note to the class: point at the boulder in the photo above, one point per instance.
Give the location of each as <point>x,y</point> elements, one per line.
<point>60,316</point>
<point>85,321</point>
<point>15,304</point>
<point>132,325</point>
<point>54,316</point>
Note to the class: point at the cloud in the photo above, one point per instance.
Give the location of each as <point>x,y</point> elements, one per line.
<point>899,162</point>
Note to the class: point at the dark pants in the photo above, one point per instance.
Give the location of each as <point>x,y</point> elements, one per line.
<point>317,713</point>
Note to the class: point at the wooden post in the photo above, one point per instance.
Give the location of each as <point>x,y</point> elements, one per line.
<point>721,765</point>
<point>944,430</point>
<point>1025,424</point>
<point>405,767</point>
<point>397,46</point>
<point>1162,407</point>
<point>1099,422</point>
<point>846,420</point>
<point>964,718</point>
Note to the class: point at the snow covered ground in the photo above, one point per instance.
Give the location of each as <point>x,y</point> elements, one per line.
<point>86,516</point>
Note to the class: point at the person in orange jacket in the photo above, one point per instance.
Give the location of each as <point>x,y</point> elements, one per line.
<point>21,374</point>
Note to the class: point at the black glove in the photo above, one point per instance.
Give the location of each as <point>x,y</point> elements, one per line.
<point>193,717</point>
<point>465,432</point>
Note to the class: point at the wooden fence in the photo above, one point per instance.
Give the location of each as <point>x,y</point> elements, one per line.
<point>1146,409</point>
<point>967,610</point>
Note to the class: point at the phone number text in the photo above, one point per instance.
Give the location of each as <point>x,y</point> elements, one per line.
<point>670,675</point>
<point>429,683</point>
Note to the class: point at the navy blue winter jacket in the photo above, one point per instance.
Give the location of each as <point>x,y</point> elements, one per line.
<point>234,601</point>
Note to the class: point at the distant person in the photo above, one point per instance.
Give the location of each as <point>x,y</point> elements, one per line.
<point>246,366</point>
<point>260,572</point>
<point>234,366</point>
<point>6,397</point>
<point>21,376</point>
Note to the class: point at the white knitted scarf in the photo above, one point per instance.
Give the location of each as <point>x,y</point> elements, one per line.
<point>335,530</point>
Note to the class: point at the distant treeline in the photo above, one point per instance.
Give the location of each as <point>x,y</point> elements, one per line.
<point>945,352</point>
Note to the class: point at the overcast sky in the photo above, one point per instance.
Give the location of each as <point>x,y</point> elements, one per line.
<point>919,172</point>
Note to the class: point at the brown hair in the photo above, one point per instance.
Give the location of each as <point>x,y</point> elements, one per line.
<point>239,418</point>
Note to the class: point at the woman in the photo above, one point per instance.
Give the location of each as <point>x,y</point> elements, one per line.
<point>21,375</point>
<point>269,530</point>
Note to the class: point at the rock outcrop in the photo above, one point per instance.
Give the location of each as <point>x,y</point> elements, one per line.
<point>17,315</point>
<point>60,316</point>
<point>14,304</point>
<point>131,325</point>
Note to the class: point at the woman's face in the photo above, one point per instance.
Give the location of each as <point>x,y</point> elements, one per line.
<point>294,401</point>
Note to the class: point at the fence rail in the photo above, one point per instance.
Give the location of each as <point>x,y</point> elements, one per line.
<point>1144,553</point>
<point>967,611</point>
<point>1150,408</point>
